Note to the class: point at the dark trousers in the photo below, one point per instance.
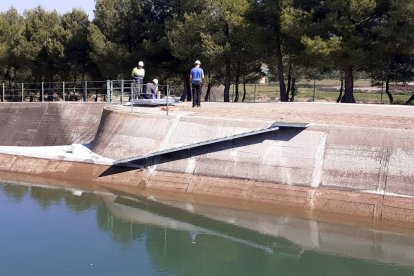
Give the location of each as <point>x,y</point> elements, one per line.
<point>138,83</point>
<point>196,89</point>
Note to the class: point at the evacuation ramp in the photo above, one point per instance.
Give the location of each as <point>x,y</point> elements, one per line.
<point>291,155</point>
<point>205,147</point>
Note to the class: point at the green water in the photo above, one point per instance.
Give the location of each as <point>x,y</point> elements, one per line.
<point>48,231</point>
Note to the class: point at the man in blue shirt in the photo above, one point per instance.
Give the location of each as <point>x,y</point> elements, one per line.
<point>196,78</point>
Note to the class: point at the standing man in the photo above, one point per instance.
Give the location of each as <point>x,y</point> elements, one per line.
<point>196,78</point>
<point>138,74</point>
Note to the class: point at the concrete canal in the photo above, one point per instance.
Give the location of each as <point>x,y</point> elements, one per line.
<point>143,190</point>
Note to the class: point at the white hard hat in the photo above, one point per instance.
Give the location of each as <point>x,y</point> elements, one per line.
<point>197,62</point>
<point>155,81</point>
<point>140,63</point>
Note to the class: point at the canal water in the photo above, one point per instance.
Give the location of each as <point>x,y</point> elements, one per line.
<point>48,231</point>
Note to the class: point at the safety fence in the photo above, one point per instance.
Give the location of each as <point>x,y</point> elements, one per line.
<point>124,92</point>
<point>311,91</point>
<point>110,91</point>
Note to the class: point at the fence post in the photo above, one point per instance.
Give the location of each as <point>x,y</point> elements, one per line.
<point>111,92</point>
<point>63,90</point>
<point>122,92</point>
<point>43,91</point>
<point>314,89</point>
<point>108,84</point>
<point>3,93</point>
<point>132,96</point>
<point>22,92</point>
<point>382,90</point>
<point>254,94</point>
<point>85,92</point>
<point>168,95</point>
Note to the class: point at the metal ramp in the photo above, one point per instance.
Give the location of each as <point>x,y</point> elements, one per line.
<point>182,152</point>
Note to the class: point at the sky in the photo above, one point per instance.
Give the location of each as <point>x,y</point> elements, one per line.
<point>61,6</point>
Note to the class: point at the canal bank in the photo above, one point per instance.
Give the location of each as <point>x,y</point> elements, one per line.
<point>352,160</point>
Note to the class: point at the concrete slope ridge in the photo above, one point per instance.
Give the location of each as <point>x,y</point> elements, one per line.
<point>48,124</point>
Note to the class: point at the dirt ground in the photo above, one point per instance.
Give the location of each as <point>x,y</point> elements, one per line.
<point>378,116</point>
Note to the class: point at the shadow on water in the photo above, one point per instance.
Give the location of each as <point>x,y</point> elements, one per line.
<point>283,134</point>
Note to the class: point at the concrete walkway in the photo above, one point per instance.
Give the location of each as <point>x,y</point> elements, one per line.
<point>363,115</point>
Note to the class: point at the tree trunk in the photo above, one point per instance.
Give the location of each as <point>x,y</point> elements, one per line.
<point>236,97</point>
<point>227,83</point>
<point>293,90</point>
<point>349,86</point>
<point>340,91</point>
<point>244,90</point>
<point>289,79</point>
<point>387,90</point>
<point>410,100</point>
<point>207,97</point>
<point>282,85</point>
<point>187,89</point>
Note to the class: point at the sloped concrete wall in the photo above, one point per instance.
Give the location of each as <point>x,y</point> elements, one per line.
<point>336,157</point>
<point>48,124</point>
<point>350,170</point>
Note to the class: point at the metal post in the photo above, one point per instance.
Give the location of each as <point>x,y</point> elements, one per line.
<point>111,92</point>
<point>254,95</point>
<point>168,95</point>
<point>85,92</point>
<point>22,92</point>
<point>314,90</point>
<point>3,93</point>
<point>122,92</point>
<point>132,96</point>
<point>43,91</point>
<point>382,90</point>
<point>63,90</point>
<point>108,84</point>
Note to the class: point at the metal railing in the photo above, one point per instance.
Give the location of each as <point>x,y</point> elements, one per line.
<point>123,91</point>
<point>113,92</point>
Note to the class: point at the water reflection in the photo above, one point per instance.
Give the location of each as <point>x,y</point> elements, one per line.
<point>194,239</point>
<point>14,191</point>
<point>276,235</point>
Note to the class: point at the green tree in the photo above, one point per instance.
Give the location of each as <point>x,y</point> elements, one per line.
<point>338,32</point>
<point>44,44</point>
<point>135,29</point>
<point>392,54</point>
<point>77,48</point>
<point>211,35</point>
<point>266,15</point>
<point>12,58</point>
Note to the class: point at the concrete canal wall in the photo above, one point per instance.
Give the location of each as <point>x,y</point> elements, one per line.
<point>48,124</point>
<point>351,170</point>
